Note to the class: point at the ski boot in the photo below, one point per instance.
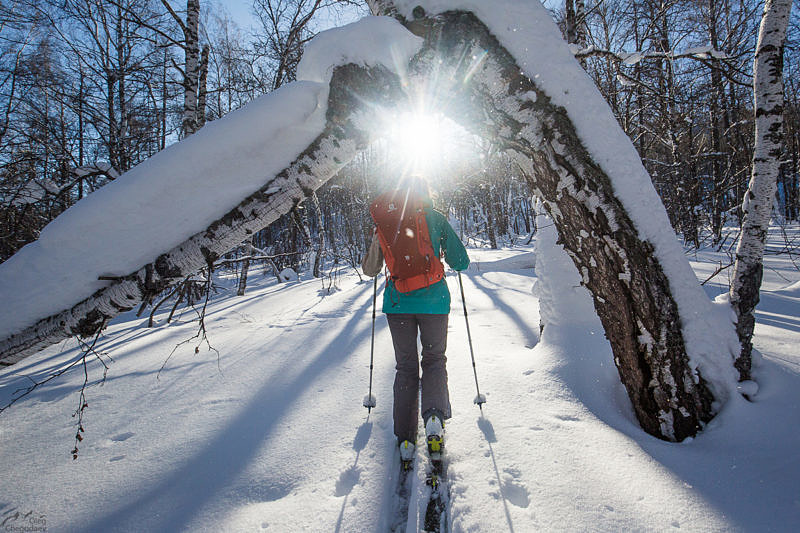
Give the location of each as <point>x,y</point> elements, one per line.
<point>406,455</point>
<point>434,431</point>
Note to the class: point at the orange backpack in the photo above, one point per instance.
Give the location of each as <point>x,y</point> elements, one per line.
<point>399,217</point>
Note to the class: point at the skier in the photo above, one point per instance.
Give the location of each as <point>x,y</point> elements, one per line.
<point>424,310</point>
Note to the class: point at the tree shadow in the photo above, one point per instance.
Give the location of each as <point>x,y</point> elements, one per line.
<point>741,465</point>
<point>531,335</point>
<point>179,496</point>
<point>779,309</point>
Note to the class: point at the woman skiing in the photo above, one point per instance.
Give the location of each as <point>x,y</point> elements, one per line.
<point>422,311</point>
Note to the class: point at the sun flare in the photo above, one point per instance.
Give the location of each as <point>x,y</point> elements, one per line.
<point>424,142</point>
<point>417,137</point>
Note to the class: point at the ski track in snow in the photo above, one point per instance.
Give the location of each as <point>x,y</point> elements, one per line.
<point>271,436</point>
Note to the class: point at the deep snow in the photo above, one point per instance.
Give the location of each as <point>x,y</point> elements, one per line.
<point>272,435</point>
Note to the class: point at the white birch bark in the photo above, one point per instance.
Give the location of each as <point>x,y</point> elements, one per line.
<point>192,74</point>
<point>580,19</point>
<point>382,7</point>
<point>758,200</point>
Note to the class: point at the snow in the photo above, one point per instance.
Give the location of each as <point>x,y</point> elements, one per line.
<point>369,42</point>
<point>269,434</point>
<point>181,190</point>
<point>272,435</point>
<point>632,58</point>
<point>528,32</point>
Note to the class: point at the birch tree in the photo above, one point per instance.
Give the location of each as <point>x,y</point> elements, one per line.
<point>758,200</point>
<point>195,66</point>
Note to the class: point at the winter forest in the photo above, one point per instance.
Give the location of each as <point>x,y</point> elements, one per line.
<point>102,100</point>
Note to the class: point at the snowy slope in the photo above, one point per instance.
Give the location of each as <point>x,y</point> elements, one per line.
<point>271,436</point>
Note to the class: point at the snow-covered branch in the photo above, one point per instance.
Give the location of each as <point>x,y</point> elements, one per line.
<point>338,143</point>
<point>704,54</point>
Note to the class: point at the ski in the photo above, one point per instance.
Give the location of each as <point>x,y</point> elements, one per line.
<point>436,510</point>
<point>403,492</point>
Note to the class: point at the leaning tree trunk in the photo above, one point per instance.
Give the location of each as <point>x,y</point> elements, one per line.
<point>757,206</point>
<point>339,142</point>
<point>631,292</point>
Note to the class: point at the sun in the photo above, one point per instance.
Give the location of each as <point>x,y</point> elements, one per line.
<point>424,142</point>
<point>417,137</point>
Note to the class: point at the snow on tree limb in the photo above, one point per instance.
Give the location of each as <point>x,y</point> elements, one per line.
<point>188,186</point>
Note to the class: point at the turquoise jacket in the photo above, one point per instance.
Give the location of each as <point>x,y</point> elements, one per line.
<point>434,299</point>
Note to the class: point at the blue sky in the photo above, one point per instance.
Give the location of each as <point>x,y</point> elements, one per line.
<point>240,11</point>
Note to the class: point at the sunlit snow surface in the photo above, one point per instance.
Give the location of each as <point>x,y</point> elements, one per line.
<point>272,435</point>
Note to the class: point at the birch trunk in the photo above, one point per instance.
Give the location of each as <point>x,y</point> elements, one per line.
<point>320,237</point>
<point>192,67</point>
<point>243,274</point>
<point>575,21</point>
<point>757,205</point>
<point>202,87</point>
<point>382,7</point>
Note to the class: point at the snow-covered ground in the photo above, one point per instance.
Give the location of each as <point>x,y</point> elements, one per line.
<point>271,435</point>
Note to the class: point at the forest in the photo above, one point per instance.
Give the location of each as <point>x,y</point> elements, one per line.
<point>91,88</point>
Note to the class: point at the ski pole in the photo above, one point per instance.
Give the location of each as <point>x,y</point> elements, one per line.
<point>369,399</point>
<point>480,399</point>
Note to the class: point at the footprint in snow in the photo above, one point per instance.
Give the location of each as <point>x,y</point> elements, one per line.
<point>122,436</point>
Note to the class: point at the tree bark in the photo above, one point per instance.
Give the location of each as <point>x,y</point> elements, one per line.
<point>192,67</point>
<point>320,237</point>
<point>243,274</point>
<point>757,205</point>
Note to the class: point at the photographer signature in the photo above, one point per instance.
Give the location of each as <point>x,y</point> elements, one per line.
<point>19,521</point>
